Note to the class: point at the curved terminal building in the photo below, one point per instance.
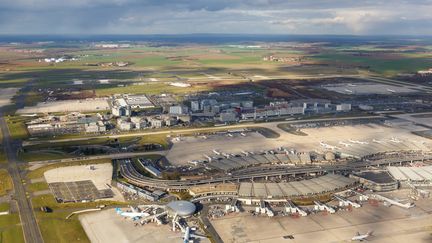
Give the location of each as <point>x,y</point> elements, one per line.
<point>183,209</point>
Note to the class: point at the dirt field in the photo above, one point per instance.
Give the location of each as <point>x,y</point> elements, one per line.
<point>191,148</point>
<point>392,224</point>
<point>108,227</point>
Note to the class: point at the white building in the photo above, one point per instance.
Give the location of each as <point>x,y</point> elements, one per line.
<point>157,123</point>
<point>138,122</point>
<point>178,110</point>
<point>125,125</point>
<point>344,107</point>
<point>121,108</point>
<point>95,127</point>
<point>228,117</point>
<point>195,105</point>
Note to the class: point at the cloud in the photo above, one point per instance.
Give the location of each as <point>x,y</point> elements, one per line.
<point>209,16</point>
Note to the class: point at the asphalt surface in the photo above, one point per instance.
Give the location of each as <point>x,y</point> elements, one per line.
<point>30,227</point>
<point>209,227</point>
<point>205,129</point>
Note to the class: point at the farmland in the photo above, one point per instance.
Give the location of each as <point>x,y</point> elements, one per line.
<point>189,62</point>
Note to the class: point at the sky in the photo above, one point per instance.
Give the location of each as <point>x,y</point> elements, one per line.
<point>339,17</point>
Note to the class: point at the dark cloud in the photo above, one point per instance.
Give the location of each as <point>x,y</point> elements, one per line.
<point>215,16</point>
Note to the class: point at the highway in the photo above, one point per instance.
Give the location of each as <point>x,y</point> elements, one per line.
<point>133,176</point>
<point>30,227</point>
<point>95,157</point>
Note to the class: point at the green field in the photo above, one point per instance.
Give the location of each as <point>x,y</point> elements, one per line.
<point>380,65</point>
<point>10,226</point>
<point>6,183</point>
<point>190,60</point>
<point>61,150</point>
<point>56,229</point>
<point>38,186</point>
<point>17,127</point>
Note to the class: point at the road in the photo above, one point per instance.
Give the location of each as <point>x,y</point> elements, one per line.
<point>30,227</point>
<point>205,129</point>
<point>95,157</point>
<point>209,227</point>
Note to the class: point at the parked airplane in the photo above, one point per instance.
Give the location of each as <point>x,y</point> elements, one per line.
<point>134,214</point>
<point>389,202</point>
<point>345,144</point>
<point>377,141</point>
<point>188,235</point>
<point>328,146</point>
<point>360,237</point>
<point>358,142</point>
<point>216,152</point>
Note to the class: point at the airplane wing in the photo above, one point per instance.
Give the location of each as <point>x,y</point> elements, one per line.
<point>133,209</point>
<point>198,236</point>
<point>175,237</point>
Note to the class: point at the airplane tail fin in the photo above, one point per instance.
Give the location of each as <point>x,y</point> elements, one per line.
<point>370,232</point>
<point>118,210</point>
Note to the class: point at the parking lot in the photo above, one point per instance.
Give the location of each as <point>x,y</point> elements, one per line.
<point>99,104</point>
<point>81,182</point>
<point>78,191</point>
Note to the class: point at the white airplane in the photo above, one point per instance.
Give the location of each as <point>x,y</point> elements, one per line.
<point>345,144</point>
<point>358,142</point>
<point>395,140</point>
<point>328,146</point>
<point>134,214</point>
<point>391,91</point>
<point>29,115</point>
<point>377,141</point>
<point>194,162</point>
<point>360,237</point>
<point>188,235</point>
